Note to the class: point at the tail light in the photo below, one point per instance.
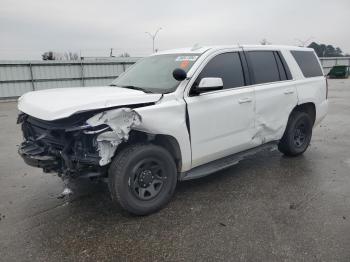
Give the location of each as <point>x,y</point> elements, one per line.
<point>326,87</point>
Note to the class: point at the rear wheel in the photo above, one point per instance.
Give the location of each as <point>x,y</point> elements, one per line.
<point>142,178</point>
<point>297,135</point>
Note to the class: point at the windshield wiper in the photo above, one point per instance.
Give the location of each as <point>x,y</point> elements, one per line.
<point>134,88</point>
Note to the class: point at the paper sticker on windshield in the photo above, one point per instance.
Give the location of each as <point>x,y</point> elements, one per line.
<point>188,58</point>
<point>184,64</point>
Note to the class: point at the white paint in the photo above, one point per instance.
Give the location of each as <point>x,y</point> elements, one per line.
<point>168,117</point>
<point>63,102</point>
<point>274,102</point>
<point>210,82</point>
<point>215,131</point>
<point>222,122</point>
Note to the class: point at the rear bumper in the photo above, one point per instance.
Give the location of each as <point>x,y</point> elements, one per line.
<point>321,111</point>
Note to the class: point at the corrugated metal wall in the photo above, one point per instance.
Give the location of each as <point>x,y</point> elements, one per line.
<point>19,77</point>
<point>329,62</point>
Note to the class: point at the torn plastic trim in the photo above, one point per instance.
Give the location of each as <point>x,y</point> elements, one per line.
<point>102,128</point>
<point>121,121</point>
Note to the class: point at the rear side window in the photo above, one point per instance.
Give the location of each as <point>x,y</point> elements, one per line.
<point>308,63</point>
<point>228,66</point>
<point>264,66</point>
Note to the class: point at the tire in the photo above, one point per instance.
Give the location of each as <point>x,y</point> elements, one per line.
<point>297,136</point>
<point>142,178</point>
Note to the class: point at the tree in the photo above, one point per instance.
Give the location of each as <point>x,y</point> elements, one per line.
<point>323,50</point>
<point>338,51</point>
<point>71,56</point>
<point>50,55</point>
<point>125,54</point>
<point>265,42</point>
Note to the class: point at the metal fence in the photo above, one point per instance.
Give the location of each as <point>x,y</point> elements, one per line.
<point>329,62</point>
<point>19,77</point>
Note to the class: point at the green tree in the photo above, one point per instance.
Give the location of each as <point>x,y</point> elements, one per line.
<point>323,50</point>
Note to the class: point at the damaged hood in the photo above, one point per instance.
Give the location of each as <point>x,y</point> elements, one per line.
<point>63,102</point>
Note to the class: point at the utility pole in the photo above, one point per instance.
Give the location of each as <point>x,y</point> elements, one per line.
<point>153,36</point>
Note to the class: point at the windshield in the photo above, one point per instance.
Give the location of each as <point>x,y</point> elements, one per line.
<point>155,73</point>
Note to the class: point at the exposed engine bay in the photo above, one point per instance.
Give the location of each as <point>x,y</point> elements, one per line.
<point>80,145</point>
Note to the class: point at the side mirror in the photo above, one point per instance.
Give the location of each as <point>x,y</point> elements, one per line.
<point>209,84</point>
<point>179,74</point>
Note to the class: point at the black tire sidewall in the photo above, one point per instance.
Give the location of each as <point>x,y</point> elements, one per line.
<point>122,174</point>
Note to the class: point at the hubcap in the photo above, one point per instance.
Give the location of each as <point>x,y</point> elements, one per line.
<point>147,179</point>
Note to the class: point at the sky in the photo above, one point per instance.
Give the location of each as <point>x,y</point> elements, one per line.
<point>28,28</point>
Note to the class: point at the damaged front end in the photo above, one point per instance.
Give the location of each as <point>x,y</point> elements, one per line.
<point>80,145</point>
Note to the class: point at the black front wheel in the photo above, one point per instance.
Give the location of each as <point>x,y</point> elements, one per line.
<point>142,178</point>
<point>297,135</point>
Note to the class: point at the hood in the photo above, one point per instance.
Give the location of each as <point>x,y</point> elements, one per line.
<point>60,103</point>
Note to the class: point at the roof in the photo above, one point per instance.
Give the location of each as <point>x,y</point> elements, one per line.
<point>200,50</point>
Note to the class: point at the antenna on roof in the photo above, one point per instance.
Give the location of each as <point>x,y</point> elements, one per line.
<point>196,47</point>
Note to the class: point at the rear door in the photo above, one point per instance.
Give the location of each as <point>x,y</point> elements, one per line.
<point>312,86</point>
<point>275,93</point>
<point>222,121</point>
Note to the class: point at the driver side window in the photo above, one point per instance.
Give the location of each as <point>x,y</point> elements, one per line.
<point>228,67</point>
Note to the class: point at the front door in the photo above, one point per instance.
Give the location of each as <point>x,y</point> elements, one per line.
<point>221,122</point>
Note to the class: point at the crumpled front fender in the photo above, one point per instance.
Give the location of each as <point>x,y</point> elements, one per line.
<point>120,121</point>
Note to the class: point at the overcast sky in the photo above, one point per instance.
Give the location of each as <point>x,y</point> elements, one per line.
<point>30,27</point>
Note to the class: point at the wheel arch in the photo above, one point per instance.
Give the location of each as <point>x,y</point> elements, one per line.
<point>286,145</point>
<point>308,107</point>
<point>166,141</point>
<point>170,143</point>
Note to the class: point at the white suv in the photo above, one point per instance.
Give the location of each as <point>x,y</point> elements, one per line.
<point>176,115</point>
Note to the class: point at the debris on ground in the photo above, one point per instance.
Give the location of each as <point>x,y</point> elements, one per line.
<point>66,192</point>
<point>293,206</point>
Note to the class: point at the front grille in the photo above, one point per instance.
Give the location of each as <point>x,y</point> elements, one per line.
<point>44,136</point>
<point>51,137</point>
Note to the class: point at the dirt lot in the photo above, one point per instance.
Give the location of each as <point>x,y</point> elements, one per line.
<point>267,208</point>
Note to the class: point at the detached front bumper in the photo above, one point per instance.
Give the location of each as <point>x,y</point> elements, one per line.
<point>59,161</point>
<point>31,154</point>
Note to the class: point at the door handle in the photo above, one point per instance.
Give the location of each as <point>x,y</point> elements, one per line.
<point>245,100</point>
<point>289,92</point>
